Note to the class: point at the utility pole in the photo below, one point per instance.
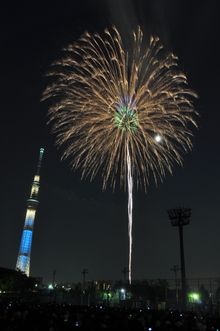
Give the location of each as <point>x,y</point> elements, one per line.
<point>54,286</point>
<point>84,273</point>
<point>125,272</point>
<point>175,269</point>
<point>54,279</point>
<point>180,217</point>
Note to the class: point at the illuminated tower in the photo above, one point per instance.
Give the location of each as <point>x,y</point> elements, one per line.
<point>24,255</point>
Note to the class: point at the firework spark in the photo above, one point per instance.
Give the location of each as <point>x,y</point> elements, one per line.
<point>127,113</point>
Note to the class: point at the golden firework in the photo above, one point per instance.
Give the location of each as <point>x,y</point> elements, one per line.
<point>111,101</point>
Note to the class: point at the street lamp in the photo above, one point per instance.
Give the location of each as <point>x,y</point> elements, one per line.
<point>180,217</point>
<point>122,294</point>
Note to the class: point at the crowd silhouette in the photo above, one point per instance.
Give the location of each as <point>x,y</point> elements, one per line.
<point>54,317</point>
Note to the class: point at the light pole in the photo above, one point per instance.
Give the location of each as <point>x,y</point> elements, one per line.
<point>180,217</point>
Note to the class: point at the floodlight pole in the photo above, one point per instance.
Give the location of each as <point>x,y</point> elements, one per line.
<point>181,217</point>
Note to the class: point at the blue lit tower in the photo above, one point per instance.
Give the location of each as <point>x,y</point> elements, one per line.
<point>24,255</point>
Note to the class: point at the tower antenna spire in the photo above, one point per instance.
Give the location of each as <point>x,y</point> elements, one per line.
<point>24,254</point>
<point>39,161</point>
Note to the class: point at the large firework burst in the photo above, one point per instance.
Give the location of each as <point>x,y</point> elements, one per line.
<point>108,98</point>
<point>113,106</point>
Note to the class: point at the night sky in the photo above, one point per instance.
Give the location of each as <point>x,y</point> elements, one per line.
<point>77,225</point>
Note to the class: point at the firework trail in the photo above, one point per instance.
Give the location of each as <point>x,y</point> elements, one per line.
<point>130,210</point>
<point>124,112</point>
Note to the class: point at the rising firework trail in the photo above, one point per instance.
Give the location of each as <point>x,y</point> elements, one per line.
<point>130,210</point>
<point>126,112</point>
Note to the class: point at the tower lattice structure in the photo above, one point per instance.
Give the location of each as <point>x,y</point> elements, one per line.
<point>24,255</point>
